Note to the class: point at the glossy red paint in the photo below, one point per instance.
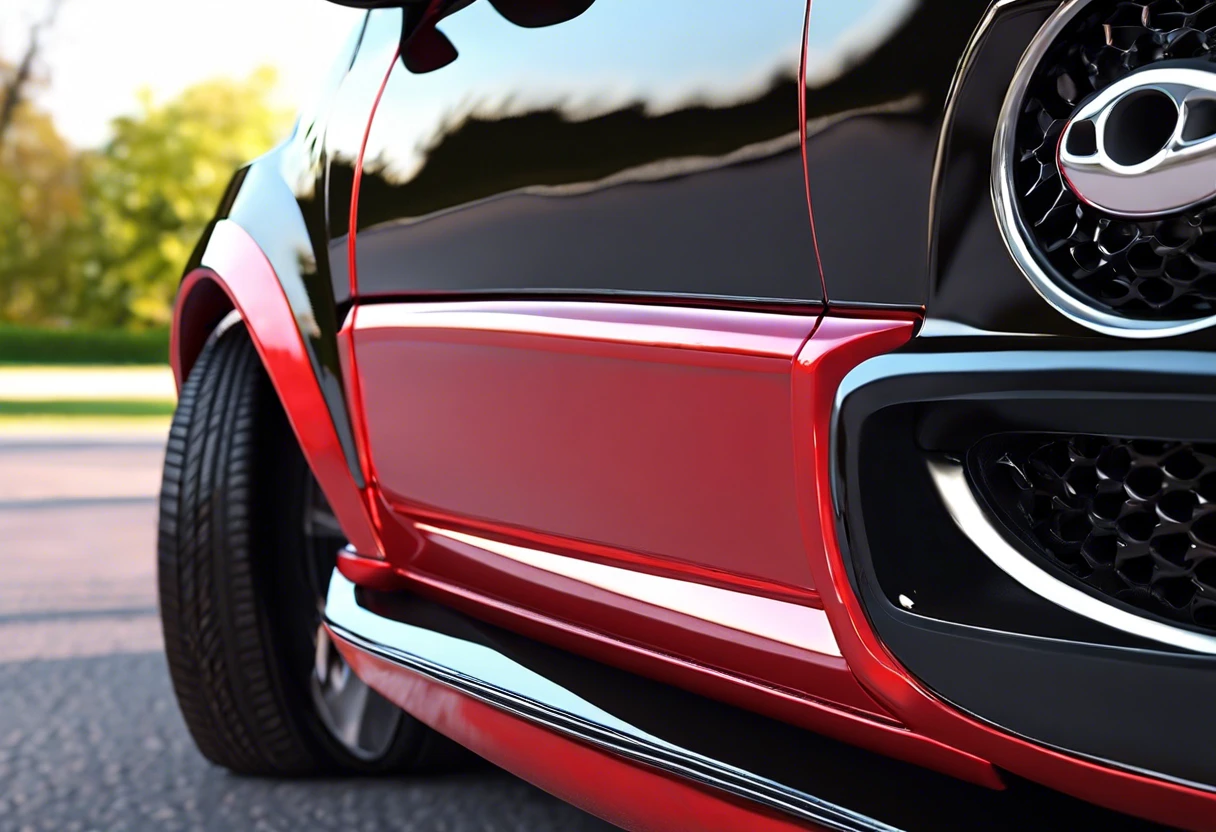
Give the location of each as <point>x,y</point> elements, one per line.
<point>779,620</point>
<point>840,344</point>
<point>500,431</point>
<point>371,572</point>
<point>872,730</point>
<point>354,404</point>
<point>783,643</point>
<point>628,794</point>
<point>600,553</point>
<point>654,430</point>
<point>234,265</point>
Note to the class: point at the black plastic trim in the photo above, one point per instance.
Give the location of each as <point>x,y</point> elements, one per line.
<point>1003,653</point>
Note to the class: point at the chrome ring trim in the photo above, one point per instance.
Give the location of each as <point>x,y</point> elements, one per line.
<point>1064,301</point>
<point>493,678</point>
<point>950,479</point>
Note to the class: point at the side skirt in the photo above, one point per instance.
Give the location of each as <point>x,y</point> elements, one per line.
<point>494,678</point>
<point>646,755</point>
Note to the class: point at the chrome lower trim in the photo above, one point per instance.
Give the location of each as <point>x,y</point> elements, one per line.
<point>1004,203</point>
<point>950,479</point>
<point>491,677</point>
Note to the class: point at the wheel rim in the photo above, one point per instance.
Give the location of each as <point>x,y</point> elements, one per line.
<point>362,721</point>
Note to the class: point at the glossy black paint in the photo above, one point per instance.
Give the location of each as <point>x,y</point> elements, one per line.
<point>974,635</point>
<point>347,124</point>
<point>786,769</point>
<point>280,200</point>
<point>902,104</point>
<point>632,148</point>
<point>878,76</point>
<point>974,280</point>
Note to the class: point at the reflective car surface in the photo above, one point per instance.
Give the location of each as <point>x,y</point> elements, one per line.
<point>725,416</point>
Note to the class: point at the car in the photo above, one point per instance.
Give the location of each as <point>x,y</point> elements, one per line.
<point>724,415</point>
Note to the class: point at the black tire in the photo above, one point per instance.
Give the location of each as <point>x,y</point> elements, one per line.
<point>239,603</point>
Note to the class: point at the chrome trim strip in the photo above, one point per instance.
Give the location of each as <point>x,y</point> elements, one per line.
<point>1068,304</point>
<point>762,334</point>
<point>891,365</point>
<point>806,628</point>
<point>495,679</point>
<point>950,479</point>
<point>1151,362</point>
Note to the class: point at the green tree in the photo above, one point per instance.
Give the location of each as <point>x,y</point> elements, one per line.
<point>151,190</point>
<point>100,238</point>
<point>41,205</point>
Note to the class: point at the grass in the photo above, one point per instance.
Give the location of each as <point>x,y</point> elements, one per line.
<point>42,345</point>
<point>87,408</point>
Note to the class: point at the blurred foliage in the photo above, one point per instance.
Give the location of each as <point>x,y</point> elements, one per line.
<point>99,238</point>
<point>62,345</point>
<point>41,206</point>
<point>95,407</point>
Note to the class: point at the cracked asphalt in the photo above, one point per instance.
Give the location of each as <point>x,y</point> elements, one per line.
<point>90,735</point>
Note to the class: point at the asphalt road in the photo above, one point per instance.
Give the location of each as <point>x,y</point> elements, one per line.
<point>90,735</point>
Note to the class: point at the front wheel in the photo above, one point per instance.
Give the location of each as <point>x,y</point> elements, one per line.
<point>245,550</point>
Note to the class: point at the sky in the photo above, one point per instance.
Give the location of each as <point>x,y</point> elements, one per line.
<point>100,53</point>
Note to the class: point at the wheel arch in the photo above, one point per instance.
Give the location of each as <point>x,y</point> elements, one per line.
<point>203,302</point>
<point>234,274</point>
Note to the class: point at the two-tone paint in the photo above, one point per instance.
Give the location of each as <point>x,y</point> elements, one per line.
<point>583,335</point>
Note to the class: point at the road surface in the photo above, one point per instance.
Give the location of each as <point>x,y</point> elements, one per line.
<point>90,736</point>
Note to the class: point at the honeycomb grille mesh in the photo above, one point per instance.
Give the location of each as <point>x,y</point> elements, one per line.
<point>1162,269</point>
<point>1131,519</point>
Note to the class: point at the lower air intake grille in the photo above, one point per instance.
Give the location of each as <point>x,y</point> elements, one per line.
<point>1132,520</point>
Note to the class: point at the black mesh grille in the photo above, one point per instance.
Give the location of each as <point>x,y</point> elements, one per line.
<point>1163,269</point>
<point>1131,519</point>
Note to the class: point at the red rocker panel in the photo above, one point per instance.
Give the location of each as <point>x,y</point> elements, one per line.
<point>628,794</point>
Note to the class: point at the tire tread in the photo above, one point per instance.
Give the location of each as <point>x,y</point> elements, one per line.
<point>217,636</point>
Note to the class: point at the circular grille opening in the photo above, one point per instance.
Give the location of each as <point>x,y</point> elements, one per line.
<point>1139,127</point>
<point>1123,276</point>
